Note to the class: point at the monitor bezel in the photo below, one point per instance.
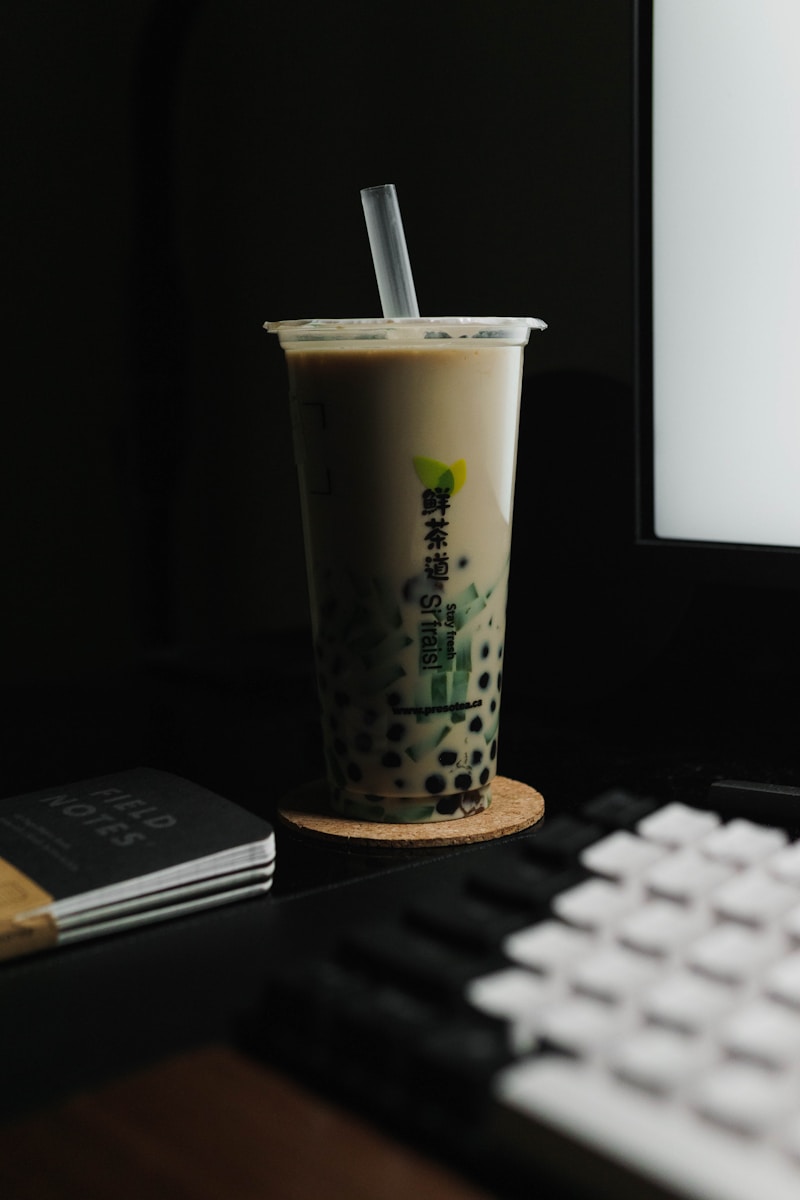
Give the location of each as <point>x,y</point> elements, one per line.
<point>706,561</point>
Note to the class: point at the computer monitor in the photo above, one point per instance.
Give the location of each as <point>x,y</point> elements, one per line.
<point>717,172</point>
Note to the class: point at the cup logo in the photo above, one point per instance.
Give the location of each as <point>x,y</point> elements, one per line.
<point>438,477</point>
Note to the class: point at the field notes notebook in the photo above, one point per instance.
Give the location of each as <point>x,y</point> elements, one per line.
<point>107,854</point>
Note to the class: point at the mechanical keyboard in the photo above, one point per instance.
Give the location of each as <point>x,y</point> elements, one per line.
<point>608,1004</point>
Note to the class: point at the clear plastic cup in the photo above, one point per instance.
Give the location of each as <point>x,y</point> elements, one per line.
<point>405,439</point>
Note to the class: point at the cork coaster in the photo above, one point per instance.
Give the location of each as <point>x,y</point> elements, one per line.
<point>515,806</point>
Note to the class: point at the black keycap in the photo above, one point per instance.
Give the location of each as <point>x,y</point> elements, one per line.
<point>465,919</point>
<point>766,803</point>
<point>562,839</point>
<point>618,809</point>
<point>522,884</point>
<point>302,1005</point>
<point>375,1036</point>
<point>392,953</point>
<point>456,1062</point>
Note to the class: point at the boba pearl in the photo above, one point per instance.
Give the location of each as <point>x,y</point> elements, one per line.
<point>447,804</point>
<point>435,784</point>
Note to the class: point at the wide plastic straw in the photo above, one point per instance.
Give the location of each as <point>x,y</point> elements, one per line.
<point>389,252</point>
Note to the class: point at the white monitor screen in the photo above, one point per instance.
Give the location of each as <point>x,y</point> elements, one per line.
<point>726,270</point>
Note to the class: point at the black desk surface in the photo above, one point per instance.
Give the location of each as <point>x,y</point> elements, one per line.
<point>79,1017</point>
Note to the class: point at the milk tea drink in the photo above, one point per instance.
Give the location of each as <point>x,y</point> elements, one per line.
<point>405,440</point>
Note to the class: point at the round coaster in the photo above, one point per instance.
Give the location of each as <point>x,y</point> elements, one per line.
<point>515,806</point>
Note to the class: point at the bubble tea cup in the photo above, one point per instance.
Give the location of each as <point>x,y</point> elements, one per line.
<point>405,435</point>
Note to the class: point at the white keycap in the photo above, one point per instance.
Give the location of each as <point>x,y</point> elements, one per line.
<point>785,864</point>
<point>663,1143</point>
<point>672,981</point>
<point>516,995</point>
<point>659,1059</point>
<point>677,825</point>
<point>546,947</point>
<point>733,952</point>
<point>790,923</point>
<point>753,896</point>
<point>621,855</point>
<point>745,1097</point>
<point>686,875</point>
<point>687,1001</point>
<point>765,1031</point>
<point>579,1025</point>
<point>507,992</point>
<point>782,980</point>
<point>662,926</point>
<point>742,843</point>
<point>612,973</point>
<point>595,903</point>
<point>787,1135</point>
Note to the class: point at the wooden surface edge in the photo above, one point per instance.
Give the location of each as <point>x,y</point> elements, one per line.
<point>212,1123</point>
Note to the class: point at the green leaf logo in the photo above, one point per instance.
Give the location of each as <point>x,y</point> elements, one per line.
<point>434,474</point>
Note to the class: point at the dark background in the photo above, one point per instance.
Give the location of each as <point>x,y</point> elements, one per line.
<point>175,173</point>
